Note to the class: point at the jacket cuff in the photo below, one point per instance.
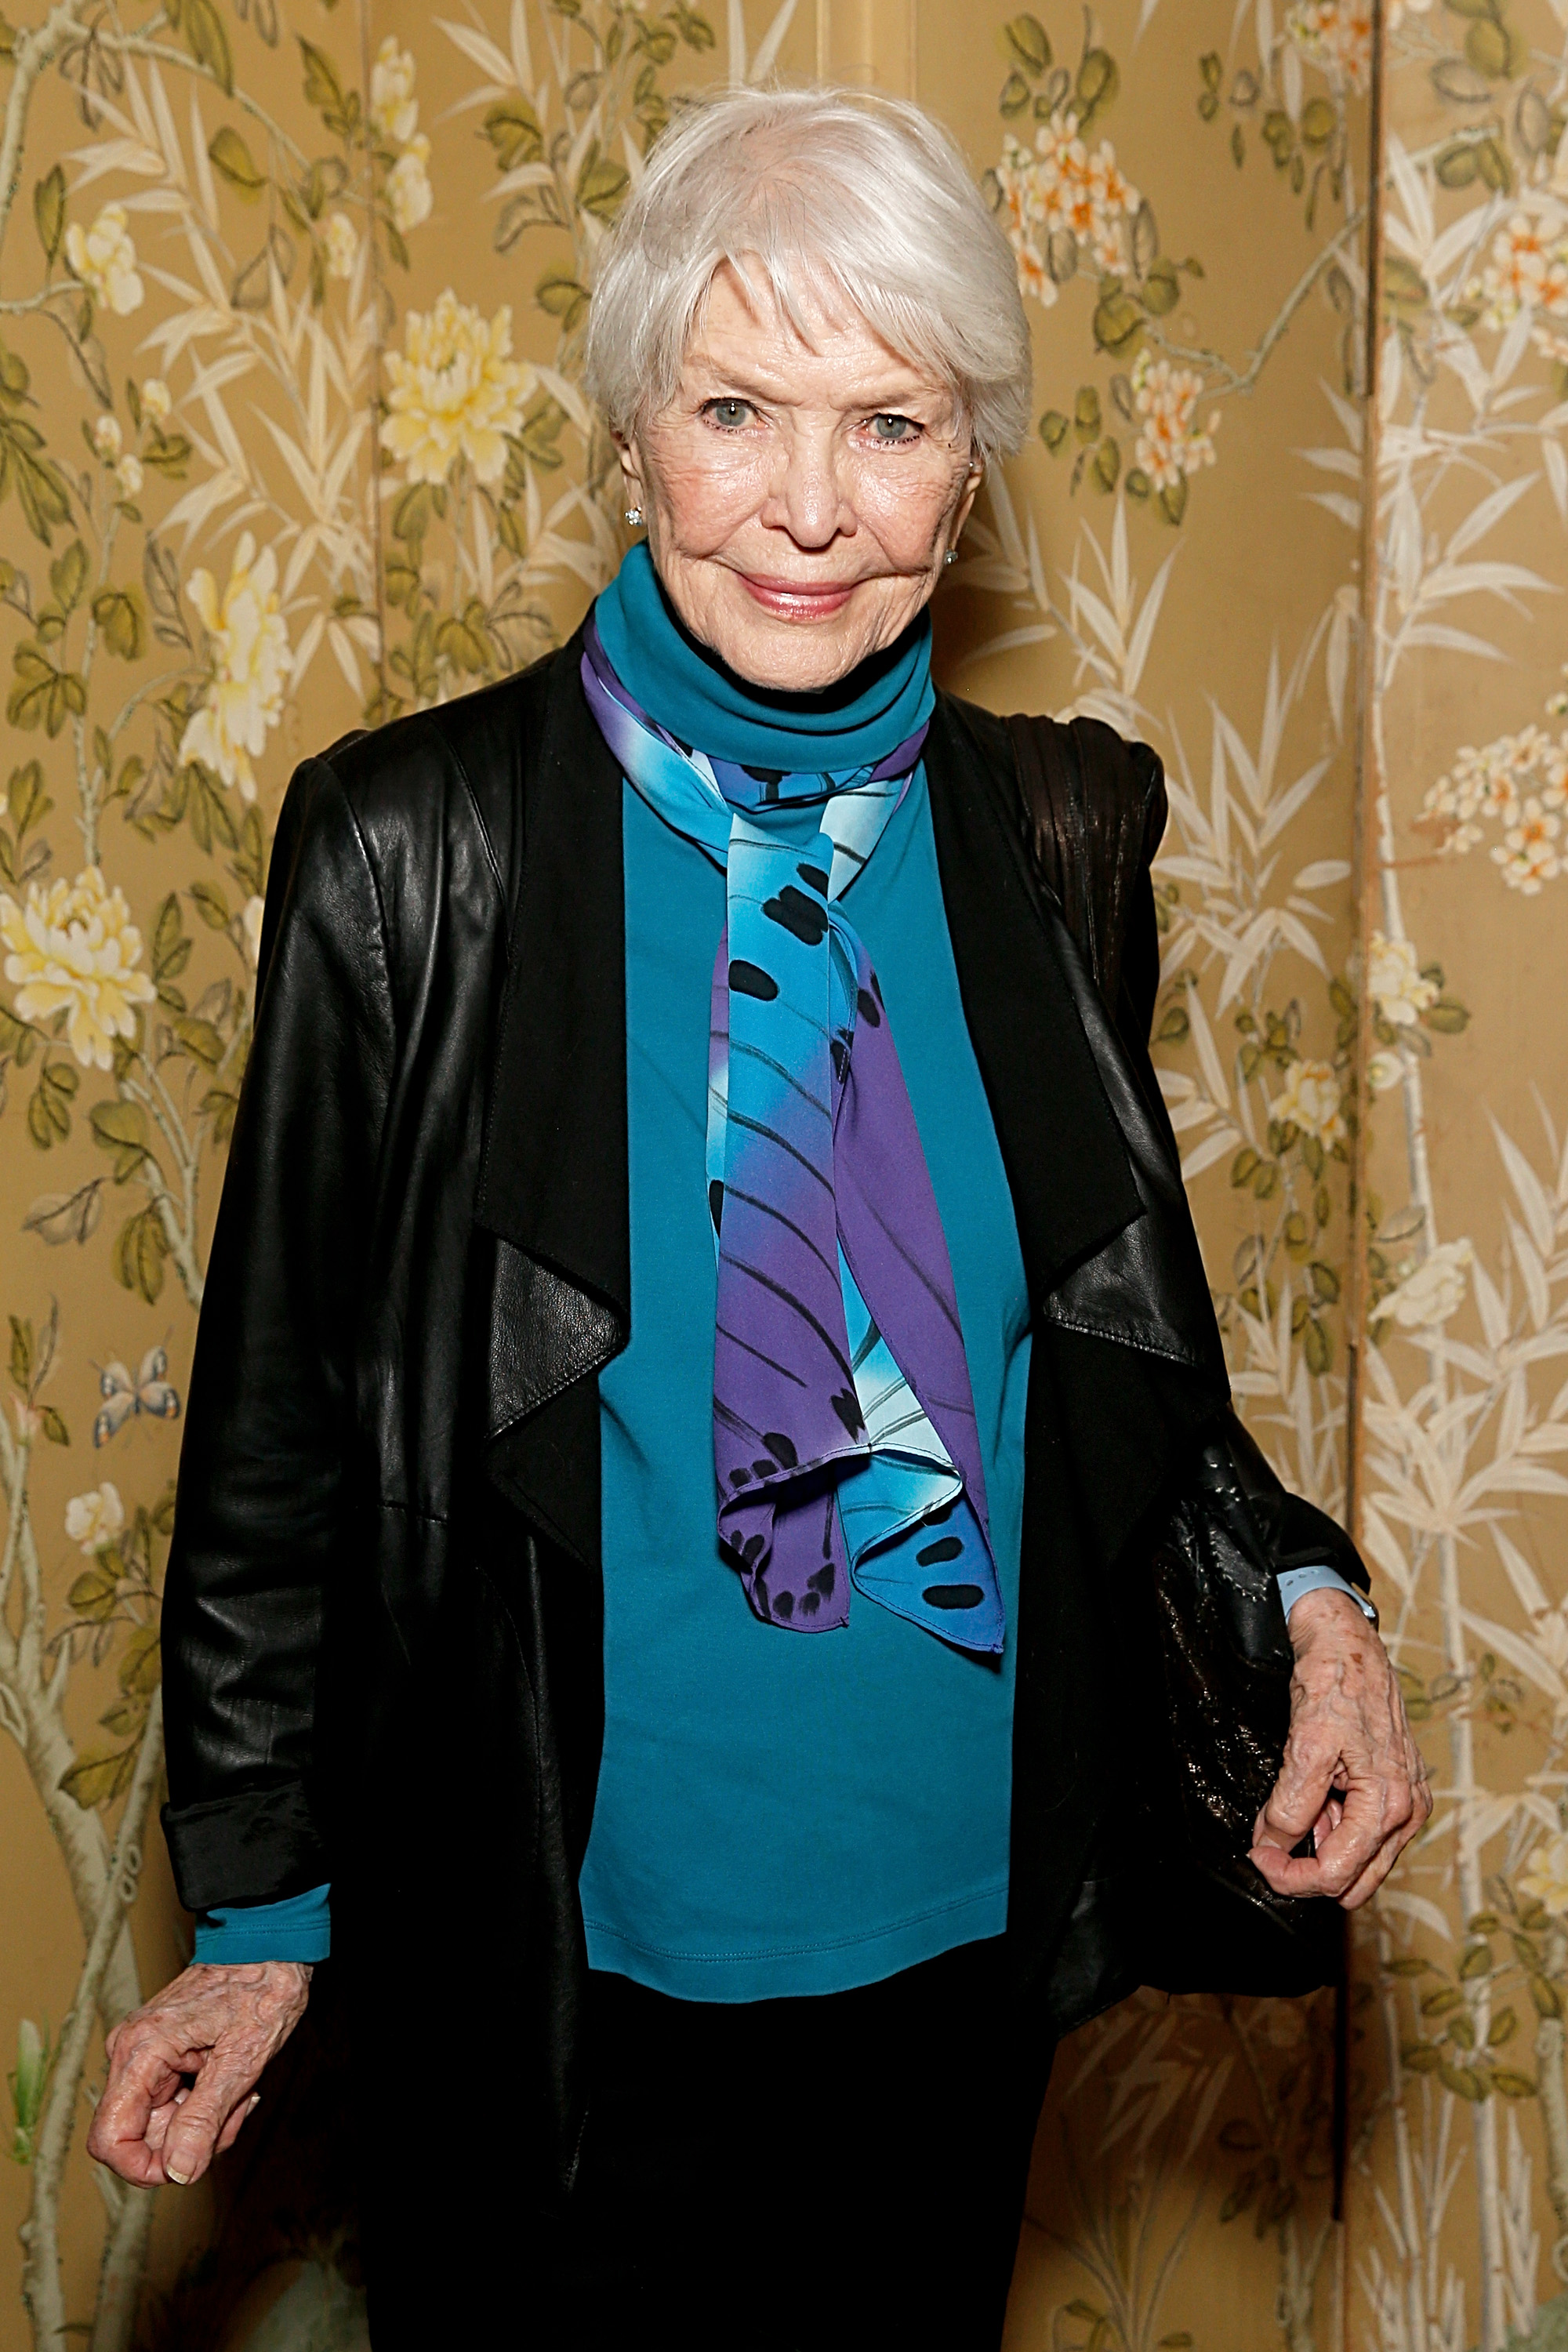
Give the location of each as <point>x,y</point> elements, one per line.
<point>1295,1582</point>
<point>253,1848</point>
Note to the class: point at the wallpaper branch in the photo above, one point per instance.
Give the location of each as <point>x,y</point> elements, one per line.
<point>292,437</point>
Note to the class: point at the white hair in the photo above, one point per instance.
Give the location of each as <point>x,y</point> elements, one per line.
<point>825,191</point>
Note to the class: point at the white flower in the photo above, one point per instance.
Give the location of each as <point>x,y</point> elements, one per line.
<point>250,924</point>
<point>1528,270</point>
<point>249,644</point>
<point>1061,187</point>
<point>393,108</point>
<point>107,438</point>
<point>1546,1879</point>
<point>1310,1101</point>
<point>1393,976</point>
<point>1170,444</point>
<point>1385,1070</point>
<point>1528,855</point>
<point>456,392</point>
<point>1435,1291</point>
<point>104,259</point>
<point>1336,35</point>
<point>408,187</point>
<point>157,400</point>
<point>341,241</point>
<point>129,475</point>
<point>95,1518</point>
<point>74,949</point>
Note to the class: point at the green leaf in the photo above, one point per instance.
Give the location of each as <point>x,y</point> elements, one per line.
<point>559,294</point>
<point>26,798</point>
<point>1422,2057</point>
<point>1438,2003</point>
<point>100,1776</point>
<point>92,1595</point>
<point>1014,97</point>
<point>1174,500</point>
<point>1317,1348</point>
<point>1095,87</point>
<point>1547,1998</point>
<point>54,1426</point>
<point>200,1039</point>
<point>1477,1962</point>
<point>232,160</point>
<point>206,40</point>
<point>514,132</point>
<point>211,905</point>
<point>1319,122</point>
<point>120,1128</point>
<point>1161,288</point>
<point>21,1352</point>
<point>1118,321</point>
<point>1085,414</point>
<point>1503,2028</point>
<point>324,90</point>
<point>1513,2085</point>
<point>1054,429</point>
<point>1446,1017</point>
<point>122,616</point>
<point>601,186</point>
<point>1025,43</point>
<point>1464,2081</point>
<point>49,210</point>
<point>139,1249</point>
<point>1107,464</point>
<point>141,1666</point>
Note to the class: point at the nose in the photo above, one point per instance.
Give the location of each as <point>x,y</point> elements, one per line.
<point>806,496</point>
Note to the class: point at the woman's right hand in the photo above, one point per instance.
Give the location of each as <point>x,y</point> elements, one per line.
<point>182,2069</point>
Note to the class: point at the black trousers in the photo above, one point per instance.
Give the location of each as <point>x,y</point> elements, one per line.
<point>803,2175</point>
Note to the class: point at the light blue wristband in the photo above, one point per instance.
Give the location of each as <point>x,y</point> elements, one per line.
<point>298,1928</point>
<point>1295,1581</point>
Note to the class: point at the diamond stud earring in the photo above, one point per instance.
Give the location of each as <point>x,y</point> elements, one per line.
<point>951,555</point>
<point>634,516</point>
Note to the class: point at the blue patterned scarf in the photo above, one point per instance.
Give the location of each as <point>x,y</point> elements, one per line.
<point>844,1434</point>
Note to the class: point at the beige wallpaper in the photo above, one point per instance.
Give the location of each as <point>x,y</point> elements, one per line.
<point>240,509</point>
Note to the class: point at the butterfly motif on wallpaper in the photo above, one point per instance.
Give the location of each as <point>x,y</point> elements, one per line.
<point>124,1396</point>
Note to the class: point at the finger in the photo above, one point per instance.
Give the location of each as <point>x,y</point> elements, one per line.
<point>1374,1812</point>
<point>226,2077</point>
<point>240,2116</point>
<point>1307,1774</point>
<point>146,2077</point>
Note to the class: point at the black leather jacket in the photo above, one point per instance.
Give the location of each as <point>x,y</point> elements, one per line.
<point>382,1630</point>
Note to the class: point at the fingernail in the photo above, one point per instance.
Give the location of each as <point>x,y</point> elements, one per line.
<point>180,2180</point>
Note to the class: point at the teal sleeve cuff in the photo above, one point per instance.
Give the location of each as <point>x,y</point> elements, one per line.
<point>298,1928</point>
<point>1295,1581</point>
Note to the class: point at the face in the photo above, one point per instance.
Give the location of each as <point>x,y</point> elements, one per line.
<point>800,496</point>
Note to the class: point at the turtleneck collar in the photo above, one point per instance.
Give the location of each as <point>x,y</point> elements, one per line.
<point>689,691</point>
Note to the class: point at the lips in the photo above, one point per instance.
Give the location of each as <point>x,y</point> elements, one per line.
<point>790,600</point>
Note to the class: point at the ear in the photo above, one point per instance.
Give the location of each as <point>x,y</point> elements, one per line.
<point>631,469</point>
<point>967,497</point>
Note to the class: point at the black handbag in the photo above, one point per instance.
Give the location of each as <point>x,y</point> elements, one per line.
<point>1218,1543</point>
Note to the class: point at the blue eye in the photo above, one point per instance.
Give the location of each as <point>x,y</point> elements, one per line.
<point>729,415</point>
<point>892,428</point>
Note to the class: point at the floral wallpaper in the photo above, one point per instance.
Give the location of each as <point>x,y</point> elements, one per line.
<point>291,439</point>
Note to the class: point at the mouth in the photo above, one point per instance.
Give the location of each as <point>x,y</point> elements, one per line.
<point>795,600</point>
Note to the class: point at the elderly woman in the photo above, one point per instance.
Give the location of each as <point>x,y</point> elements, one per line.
<point>697,1337</point>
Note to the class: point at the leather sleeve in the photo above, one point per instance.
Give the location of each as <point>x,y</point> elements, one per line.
<point>264,1471</point>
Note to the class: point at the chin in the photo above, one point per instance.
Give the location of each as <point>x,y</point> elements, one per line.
<point>796,656</point>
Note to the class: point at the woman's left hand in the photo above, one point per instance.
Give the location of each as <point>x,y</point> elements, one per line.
<point>1353,1774</point>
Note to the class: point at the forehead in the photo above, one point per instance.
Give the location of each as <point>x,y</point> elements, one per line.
<point>828,346</point>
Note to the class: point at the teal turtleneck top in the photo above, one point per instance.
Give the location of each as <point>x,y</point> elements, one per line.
<point>779,1814</point>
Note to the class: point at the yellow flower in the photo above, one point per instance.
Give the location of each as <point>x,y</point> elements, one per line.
<point>1311,1100</point>
<point>408,187</point>
<point>393,108</point>
<point>74,949</point>
<point>456,392</point>
<point>104,259</point>
<point>1546,1880</point>
<point>341,242</point>
<point>250,645</point>
<point>95,1518</point>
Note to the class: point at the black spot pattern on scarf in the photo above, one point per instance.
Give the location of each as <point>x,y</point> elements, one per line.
<point>751,979</point>
<point>805,918</point>
<point>954,1596</point>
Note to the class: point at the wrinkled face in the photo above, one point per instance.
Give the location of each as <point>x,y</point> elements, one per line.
<point>799,497</point>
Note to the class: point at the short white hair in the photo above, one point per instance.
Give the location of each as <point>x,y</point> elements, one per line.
<point>825,191</point>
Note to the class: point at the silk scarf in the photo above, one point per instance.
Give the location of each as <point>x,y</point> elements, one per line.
<point>844,1443</point>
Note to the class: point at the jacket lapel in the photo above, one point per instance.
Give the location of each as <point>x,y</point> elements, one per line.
<point>1107,1236</point>
<point>553,1187</point>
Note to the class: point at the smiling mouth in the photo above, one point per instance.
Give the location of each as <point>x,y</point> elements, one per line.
<point>791,600</point>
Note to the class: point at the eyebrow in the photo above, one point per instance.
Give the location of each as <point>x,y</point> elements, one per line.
<point>909,388</point>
